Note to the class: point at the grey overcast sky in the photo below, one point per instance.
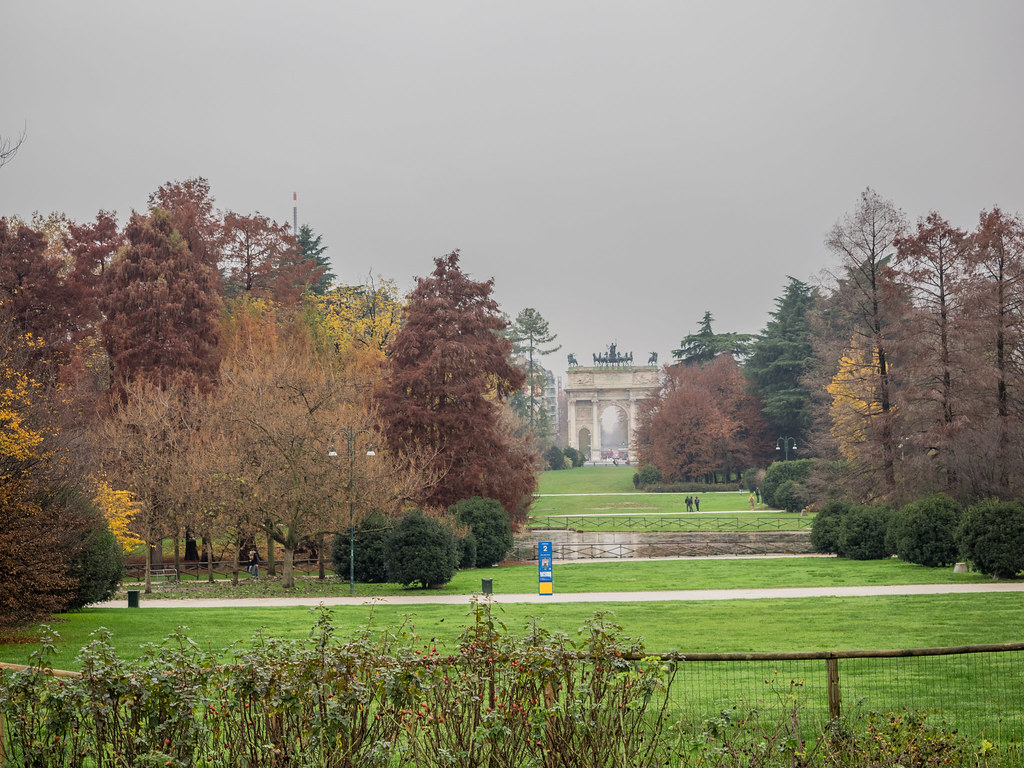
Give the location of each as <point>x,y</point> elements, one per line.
<point>621,167</point>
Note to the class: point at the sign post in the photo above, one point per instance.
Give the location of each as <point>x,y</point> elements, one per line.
<point>545,581</point>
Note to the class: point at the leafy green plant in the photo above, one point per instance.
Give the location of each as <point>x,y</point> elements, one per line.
<point>371,536</point>
<point>490,525</point>
<point>991,537</point>
<point>924,531</point>
<point>422,550</point>
<point>779,472</point>
<point>863,533</point>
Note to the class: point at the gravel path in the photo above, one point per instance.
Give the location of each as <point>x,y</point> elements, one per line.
<point>588,597</point>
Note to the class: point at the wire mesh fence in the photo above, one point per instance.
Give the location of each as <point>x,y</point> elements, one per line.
<point>551,698</point>
<point>978,690</point>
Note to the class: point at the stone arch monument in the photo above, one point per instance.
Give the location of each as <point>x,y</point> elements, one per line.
<point>613,381</point>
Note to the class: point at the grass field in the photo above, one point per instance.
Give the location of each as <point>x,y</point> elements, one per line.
<point>615,576</point>
<point>604,499</point>
<point>588,480</point>
<point>714,626</point>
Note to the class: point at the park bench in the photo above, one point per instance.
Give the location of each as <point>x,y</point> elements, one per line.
<point>164,574</point>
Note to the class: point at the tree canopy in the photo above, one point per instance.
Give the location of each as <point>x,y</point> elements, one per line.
<point>705,345</point>
<point>778,360</point>
<point>449,371</point>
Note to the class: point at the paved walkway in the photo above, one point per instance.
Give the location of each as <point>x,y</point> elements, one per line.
<point>587,597</point>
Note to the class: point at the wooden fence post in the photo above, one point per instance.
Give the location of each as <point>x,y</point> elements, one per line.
<point>835,696</point>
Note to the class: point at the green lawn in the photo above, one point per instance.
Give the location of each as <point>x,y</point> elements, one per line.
<point>606,496</point>
<point>588,480</point>
<point>645,503</point>
<point>733,625</point>
<point>615,576</point>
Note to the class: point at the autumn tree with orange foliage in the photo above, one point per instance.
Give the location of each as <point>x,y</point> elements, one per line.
<point>449,372</point>
<point>703,424</point>
<point>161,309</point>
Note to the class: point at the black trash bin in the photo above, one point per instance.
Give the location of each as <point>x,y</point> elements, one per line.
<point>133,598</point>
<point>485,586</point>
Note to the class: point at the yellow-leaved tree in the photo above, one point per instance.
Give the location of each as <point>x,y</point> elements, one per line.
<point>119,508</point>
<point>855,401</point>
<point>366,316</point>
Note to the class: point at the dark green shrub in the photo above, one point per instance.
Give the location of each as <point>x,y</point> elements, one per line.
<point>779,472</point>
<point>574,456</point>
<point>421,550</point>
<point>649,474</point>
<point>371,536</point>
<point>791,496</point>
<point>555,457</point>
<point>991,537</point>
<point>827,525</point>
<point>97,565</point>
<point>490,525</point>
<point>924,531</point>
<point>467,551</point>
<point>863,532</point>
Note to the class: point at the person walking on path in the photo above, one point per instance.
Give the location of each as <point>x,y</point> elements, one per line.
<point>689,504</point>
<point>696,503</point>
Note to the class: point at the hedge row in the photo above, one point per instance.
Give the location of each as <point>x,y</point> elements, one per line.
<point>934,531</point>
<point>424,550</point>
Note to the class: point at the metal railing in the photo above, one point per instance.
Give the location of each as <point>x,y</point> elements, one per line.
<point>200,570</point>
<point>670,523</point>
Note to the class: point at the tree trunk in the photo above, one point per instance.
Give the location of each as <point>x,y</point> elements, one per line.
<point>149,569</point>
<point>177,555</point>
<point>208,546</point>
<point>320,559</point>
<point>287,572</point>
<point>271,563</point>
<point>191,551</point>
<point>234,564</point>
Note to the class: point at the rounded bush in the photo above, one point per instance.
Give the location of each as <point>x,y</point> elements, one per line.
<point>97,565</point>
<point>779,472</point>
<point>791,496</point>
<point>490,525</point>
<point>924,531</point>
<point>421,550</point>
<point>827,525</point>
<point>555,457</point>
<point>991,537</point>
<point>371,536</point>
<point>649,475</point>
<point>467,551</point>
<point>863,532</point>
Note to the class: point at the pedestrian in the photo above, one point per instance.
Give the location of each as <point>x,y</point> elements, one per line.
<point>751,501</point>
<point>757,495</point>
<point>254,563</point>
<point>689,504</point>
<point>696,503</point>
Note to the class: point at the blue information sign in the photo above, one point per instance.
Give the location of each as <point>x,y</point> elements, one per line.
<point>546,583</point>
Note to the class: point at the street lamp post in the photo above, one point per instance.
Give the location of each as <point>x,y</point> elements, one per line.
<point>352,433</point>
<point>783,443</point>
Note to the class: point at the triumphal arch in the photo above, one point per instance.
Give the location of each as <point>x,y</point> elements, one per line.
<point>611,382</point>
